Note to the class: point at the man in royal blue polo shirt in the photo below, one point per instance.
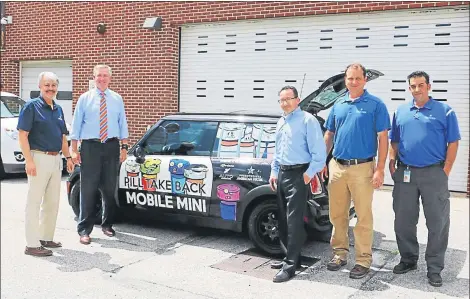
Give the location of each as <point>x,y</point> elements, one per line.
<point>42,135</point>
<point>354,125</point>
<point>424,141</point>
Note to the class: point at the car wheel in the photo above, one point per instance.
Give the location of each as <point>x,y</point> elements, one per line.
<point>2,170</point>
<point>263,227</point>
<point>75,202</point>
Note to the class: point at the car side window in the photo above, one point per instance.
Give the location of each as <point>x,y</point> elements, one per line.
<point>192,138</point>
<point>245,140</point>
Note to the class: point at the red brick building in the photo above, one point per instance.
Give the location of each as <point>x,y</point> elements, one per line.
<point>147,64</point>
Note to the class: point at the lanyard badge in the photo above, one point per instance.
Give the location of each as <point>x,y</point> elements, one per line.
<point>407,175</point>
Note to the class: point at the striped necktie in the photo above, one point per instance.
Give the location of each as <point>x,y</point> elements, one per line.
<point>103,119</point>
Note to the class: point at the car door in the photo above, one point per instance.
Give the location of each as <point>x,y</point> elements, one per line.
<point>241,161</point>
<point>174,174</point>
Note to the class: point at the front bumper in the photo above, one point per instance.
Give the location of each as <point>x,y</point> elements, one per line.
<point>14,168</point>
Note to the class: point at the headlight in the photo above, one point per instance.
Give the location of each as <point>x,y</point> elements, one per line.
<point>13,133</point>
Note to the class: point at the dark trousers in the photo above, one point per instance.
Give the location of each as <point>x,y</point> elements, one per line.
<point>292,201</point>
<point>431,184</point>
<point>99,171</point>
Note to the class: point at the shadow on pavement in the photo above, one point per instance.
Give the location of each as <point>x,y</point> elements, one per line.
<point>77,261</point>
<point>381,278</point>
<point>164,238</point>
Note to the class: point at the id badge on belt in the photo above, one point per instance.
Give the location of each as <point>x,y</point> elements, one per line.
<point>407,175</point>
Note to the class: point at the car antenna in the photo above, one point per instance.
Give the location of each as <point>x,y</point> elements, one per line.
<point>302,88</point>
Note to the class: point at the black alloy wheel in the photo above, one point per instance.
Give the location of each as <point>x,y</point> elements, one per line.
<point>263,228</point>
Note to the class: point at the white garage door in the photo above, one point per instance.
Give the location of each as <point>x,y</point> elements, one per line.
<point>241,65</point>
<point>30,71</point>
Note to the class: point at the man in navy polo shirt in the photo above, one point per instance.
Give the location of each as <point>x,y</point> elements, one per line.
<point>354,125</point>
<point>42,135</point>
<point>424,141</point>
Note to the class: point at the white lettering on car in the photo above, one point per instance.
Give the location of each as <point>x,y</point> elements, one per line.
<point>166,201</point>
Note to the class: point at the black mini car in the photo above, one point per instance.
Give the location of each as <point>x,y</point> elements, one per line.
<point>212,170</point>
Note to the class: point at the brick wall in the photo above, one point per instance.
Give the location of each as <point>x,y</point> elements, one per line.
<point>144,62</point>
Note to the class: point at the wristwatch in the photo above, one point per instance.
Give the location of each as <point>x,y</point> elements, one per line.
<point>68,157</point>
<point>125,146</point>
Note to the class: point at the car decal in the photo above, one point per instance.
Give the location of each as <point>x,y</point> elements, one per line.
<point>245,140</point>
<point>19,156</point>
<point>168,182</point>
<point>228,194</point>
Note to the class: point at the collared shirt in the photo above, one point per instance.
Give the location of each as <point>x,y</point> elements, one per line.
<point>299,140</point>
<point>45,124</point>
<point>423,133</point>
<point>86,118</point>
<point>356,125</point>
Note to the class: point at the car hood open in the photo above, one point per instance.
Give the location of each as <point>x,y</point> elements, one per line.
<point>330,91</point>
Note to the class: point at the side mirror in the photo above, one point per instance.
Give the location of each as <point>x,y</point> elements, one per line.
<point>139,154</point>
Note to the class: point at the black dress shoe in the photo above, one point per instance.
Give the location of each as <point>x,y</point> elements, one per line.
<point>435,279</point>
<point>282,276</point>
<point>403,267</point>
<point>108,231</point>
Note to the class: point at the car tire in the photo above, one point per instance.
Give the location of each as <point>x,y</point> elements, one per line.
<point>263,229</point>
<point>2,170</point>
<point>322,231</point>
<point>75,202</point>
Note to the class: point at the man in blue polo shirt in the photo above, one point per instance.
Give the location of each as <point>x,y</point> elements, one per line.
<point>42,135</point>
<point>354,125</point>
<point>424,141</point>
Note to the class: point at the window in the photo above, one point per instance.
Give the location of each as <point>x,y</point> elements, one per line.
<point>11,106</point>
<point>240,140</point>
<point>191,138</point>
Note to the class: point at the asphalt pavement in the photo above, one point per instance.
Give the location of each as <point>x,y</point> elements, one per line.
<point>161,260</point>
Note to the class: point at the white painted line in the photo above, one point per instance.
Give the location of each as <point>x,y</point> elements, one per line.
<point>139,236</point>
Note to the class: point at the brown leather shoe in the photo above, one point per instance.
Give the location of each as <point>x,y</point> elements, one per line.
<point>37,251</point>
<point>85,239</point>
<point>108,231</point>
<point>50,244</point>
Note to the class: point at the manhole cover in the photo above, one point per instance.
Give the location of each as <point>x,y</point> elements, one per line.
<point>253,263</point>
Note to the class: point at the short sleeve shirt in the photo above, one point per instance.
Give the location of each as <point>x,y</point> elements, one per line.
<point>423,133</point>
<point>356,125</point>
<point>45,124</point>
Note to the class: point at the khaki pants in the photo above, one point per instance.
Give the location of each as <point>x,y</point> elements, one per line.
<point>42,203</point>
<point>345,182</point>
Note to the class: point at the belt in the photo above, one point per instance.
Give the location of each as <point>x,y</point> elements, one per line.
<point>427,166</point>
<point>99,140</point>
<point>46,153</point>
<point>292,167</point>
<point>353,161</point>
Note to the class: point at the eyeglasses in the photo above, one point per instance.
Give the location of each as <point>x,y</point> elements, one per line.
<point>286,100</point>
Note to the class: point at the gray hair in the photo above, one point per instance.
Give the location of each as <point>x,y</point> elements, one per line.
<point>48,75</point>
<point>101,66</point>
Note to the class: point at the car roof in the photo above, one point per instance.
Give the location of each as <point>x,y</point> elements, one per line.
<point>7,94</point>
<point>237,116</point>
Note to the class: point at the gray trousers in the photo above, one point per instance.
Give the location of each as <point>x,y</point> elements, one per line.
<point>292,201</point>
<point>431,184</point>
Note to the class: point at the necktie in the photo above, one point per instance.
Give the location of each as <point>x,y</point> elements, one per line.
<point>103,119</point>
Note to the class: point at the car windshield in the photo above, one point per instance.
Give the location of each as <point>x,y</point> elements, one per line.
<point>11,106</point>
<point>5,112</point>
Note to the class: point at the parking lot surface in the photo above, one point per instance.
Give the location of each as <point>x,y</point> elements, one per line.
<point>161,260</point>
